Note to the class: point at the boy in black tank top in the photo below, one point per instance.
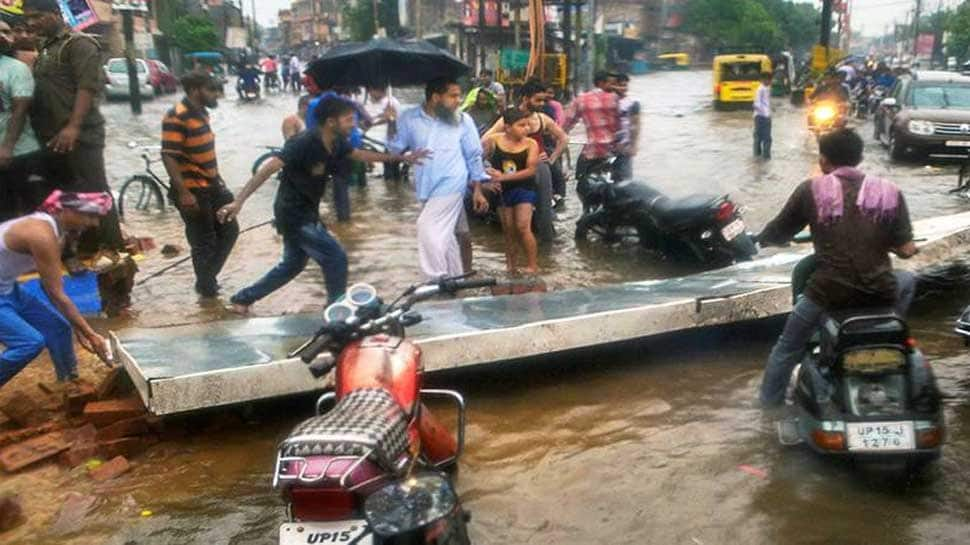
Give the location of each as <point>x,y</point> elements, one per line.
<point>514,157</point>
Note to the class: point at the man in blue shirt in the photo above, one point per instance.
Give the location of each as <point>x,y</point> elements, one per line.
<point>441,183</point>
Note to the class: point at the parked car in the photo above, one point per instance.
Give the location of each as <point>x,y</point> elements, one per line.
<point>116,72</point>
<point>162,79</point>
<point>926,114</point>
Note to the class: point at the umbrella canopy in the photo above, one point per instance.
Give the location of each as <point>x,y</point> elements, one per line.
<point>382,62</point>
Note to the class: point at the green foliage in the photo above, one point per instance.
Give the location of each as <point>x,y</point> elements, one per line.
<point>195,34</point>
<point>167,12</point>
<point>358,19</point>
<point>958,25</point>
<point>768,25</point>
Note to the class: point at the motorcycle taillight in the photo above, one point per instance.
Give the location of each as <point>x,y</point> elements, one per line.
<point>725,211</point>
<point>309,504</point>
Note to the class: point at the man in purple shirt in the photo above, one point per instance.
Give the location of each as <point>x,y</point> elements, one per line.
<point>762,118</point>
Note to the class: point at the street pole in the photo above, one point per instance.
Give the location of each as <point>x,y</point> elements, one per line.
<point>579,48</point>
<point>591,45</point>
<point>134,89</point>
<point>516,22</point>
<point>919,4</point>
<point>826,29</point>
<point>481,35</point>
<point>567,33</point>
<point>418,28</point>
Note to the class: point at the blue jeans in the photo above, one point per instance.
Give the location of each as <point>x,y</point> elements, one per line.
<point>762,136</point>
<point>805,318</point>
<point>27,325</point>
<point>309,241</point>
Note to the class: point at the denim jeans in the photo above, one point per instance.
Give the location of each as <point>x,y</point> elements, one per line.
<point>27,325</point>
<point>762,137</point>
<point>311,241</point>
<point>806,317</point>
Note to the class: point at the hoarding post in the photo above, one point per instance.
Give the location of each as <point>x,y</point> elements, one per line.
<point>134,89</point>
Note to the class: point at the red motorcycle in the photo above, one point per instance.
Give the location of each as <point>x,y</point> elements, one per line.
<point>375,468</point>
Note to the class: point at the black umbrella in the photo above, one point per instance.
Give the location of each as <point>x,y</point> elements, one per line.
<point>382,62</point>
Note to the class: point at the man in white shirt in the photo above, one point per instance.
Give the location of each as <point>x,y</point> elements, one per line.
<point>762,118</point>
<point>384,109</point>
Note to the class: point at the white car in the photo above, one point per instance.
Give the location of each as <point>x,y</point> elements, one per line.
<point>116,72</point>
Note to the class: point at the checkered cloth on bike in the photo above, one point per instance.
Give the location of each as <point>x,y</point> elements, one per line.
<point>365,420</point>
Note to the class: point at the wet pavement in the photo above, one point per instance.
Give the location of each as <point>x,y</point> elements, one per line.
<point>654,443</point>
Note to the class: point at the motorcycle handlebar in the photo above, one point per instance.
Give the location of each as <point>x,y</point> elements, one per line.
<point>458,285</point>
<point>314,349</point>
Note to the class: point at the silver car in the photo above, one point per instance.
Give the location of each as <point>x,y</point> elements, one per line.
<point>116,72</point>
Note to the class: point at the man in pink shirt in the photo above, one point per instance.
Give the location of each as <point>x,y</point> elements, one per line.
<point>599,110</point>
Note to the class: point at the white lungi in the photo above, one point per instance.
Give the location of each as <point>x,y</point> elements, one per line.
<point>440,220</point>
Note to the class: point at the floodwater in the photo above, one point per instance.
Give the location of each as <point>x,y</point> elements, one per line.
<point>652,443</point>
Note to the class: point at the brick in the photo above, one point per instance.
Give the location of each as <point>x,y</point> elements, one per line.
<point>32,451</point>
<point>16,436</point>
<point>84,434</point>
<point>74,401</point>
<point>128,447</point>
<point>11,513</point>
<point>23,411</point>
<point>105,413</point>
<point>115,467</point>
<point>124,428</point>
<point>78,454</point>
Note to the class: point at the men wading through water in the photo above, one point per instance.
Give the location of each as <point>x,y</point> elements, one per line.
<point>189,154</point>
<point>28,324</point>
<point>69,77</point>
<point>856,220</point>
<point>307,161</point>
<point>441,183</point>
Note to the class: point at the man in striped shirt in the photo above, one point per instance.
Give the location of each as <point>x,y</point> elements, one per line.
<point>189,154</point>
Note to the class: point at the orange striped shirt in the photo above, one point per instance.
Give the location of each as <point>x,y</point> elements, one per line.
<point>186,135</point>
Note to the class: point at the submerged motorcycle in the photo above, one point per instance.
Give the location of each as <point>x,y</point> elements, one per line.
<point>865,392</point>
<point>707,228</point>
<point>826,116</point>
<point>373,469</point>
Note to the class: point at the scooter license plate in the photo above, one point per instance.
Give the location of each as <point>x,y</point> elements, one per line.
<point>958,143</point>
<point>732,230</point>
<point>308,533</point>
<point>878,436</point>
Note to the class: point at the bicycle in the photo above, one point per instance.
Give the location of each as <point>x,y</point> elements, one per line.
<point>147,190</point>
<point>274,151</point>
<point>401,170</point>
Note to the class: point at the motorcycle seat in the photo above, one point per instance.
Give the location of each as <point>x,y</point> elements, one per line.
<point>366,422</point>
<point>683,210</point>
<point>869,326</point>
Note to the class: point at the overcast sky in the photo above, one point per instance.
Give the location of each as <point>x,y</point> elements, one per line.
<point>869,16</point>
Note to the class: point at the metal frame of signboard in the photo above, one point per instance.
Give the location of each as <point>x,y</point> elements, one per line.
<point>486,330</point>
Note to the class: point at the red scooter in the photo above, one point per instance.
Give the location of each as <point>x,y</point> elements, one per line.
<point>375,468</point>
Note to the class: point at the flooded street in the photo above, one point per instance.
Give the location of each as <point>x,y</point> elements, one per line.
<point>651,443</point>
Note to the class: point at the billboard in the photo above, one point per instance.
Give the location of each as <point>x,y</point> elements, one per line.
<point>78,13</point>
<point>493,13</point>
<point>924,45</point>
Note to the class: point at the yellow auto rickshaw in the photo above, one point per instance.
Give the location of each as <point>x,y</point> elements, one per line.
<point>673,61</point>
<point>737,77</point>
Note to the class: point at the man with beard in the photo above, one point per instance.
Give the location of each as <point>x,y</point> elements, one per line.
<point>441,183</point>
<point>189,154</point>
<point>69,80</point>
<point>19,150</point>
<point>28,324</point>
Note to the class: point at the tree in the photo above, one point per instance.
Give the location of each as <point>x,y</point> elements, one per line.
<point>192,33</point>
<point>958,25</point>
<point>167,12</point>
<point>767,25</point>
<point>358,19</point>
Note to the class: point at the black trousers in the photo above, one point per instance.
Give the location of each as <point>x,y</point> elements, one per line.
<point>82,170</point>
<point>211,241</point>
<point>23,185</point>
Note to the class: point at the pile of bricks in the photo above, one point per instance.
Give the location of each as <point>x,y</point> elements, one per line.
<point>102,427</point>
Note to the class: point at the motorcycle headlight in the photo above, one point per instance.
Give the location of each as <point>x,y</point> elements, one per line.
<point>823,114</point>
<point>402,507</point>
<point>918,126</point>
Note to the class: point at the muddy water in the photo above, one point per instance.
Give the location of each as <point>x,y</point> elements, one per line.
<point>640,445</point>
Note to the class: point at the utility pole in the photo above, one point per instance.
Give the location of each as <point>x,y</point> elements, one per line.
<point>128,28</point>
<point>591,45</point>
<point>516,23</point>
<point>826,24</point>
<point>919,5</point>
<point>481,35</point>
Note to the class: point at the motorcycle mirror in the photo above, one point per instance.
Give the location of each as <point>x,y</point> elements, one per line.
<point>408,505</point>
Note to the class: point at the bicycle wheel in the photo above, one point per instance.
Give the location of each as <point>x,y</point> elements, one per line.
<point>258,163</point>
<point>141,192</point>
